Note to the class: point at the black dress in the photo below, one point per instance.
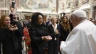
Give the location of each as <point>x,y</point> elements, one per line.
<point>38,45</point>
<point>9,41</point>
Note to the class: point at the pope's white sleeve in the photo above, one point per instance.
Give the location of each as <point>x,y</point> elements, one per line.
<point>62,47</point>
<point>72,43</point>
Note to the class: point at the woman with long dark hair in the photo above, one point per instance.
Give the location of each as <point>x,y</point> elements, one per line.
<point>65,28</point>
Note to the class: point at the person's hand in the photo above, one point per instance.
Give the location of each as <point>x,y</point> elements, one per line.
<point>12,28</point>
<point>62,41</point>
<point>56,32</point>
<point>47,38</point>
<point>15,27</point>
<point>43,37</point>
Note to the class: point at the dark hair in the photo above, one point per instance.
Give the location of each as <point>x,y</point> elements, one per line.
<point>66,25</point>
<point>34,18</point>
<point>63,17</point>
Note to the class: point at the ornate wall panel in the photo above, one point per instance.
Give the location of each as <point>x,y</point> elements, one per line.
<point>76,3</point>
<point>61,5</point>
<point>2,3</point>
<point>85,2</point>
<point>39,5</point>
<point>94,0</point>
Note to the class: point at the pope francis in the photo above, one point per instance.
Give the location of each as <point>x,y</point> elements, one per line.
<point>82,39</point>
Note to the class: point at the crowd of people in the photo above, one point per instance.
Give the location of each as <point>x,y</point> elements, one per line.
<point>74,35</point>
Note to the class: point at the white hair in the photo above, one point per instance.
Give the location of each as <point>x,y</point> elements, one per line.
<point>53,16</point>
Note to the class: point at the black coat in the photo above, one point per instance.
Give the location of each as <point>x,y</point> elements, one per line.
<point>9,41</point>
<point>37,43</point>
<point>19,33</point>
<point>64,33</point>
<point>52,34</point>
<point>54,43</point>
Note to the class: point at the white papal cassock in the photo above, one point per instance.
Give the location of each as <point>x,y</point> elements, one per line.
<point>81,40</point>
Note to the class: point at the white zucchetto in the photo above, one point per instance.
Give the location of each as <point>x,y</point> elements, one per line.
<point>80,13</point>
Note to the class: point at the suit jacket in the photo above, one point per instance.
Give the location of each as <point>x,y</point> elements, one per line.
<point>55,37</point>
